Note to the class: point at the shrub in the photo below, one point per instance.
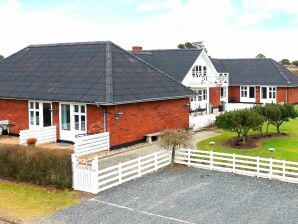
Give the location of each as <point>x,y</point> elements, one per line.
<point>38,165</point>
<point>172,139</point>
<point>239,121</point>
<point>31,141</point>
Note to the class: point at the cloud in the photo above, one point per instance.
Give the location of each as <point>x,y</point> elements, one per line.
<point>227,30</point>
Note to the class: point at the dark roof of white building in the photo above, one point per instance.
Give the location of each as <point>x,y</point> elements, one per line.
<point>174,62</point>
<point>90,72</point>
<point>255,72</point>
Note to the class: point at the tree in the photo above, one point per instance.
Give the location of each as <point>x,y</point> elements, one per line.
<point>239,121</point>
<point>286,112</point>
<point>295,62</point>
<point>186,45</point>
<point>172,139</point>
<point>1,57</point>
<point>260,56</point>
<point>285,62</point>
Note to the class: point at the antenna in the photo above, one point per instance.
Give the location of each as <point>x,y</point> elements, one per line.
<point>199,44</point>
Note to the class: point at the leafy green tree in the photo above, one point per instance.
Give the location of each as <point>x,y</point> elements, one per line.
<point>1,57</point>
<point>260,56</point>
<point>239,121</point>
<point>186,45</point>
<point>287,112</point>
<point>285,62</point>
<point>295,62</point>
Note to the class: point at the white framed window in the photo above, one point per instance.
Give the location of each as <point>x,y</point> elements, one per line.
<point>202,95</point>
<point>244,91</point>
<point>79,115</point>
<point>34,113</point>
<point>272,92</point>
<point>204,70</point>
<point>223,92</point>
<point>195,71</point>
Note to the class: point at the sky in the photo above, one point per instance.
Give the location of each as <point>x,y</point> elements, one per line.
<point>229,28</point>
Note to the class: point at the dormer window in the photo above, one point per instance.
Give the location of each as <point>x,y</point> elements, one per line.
<point>199,71</point>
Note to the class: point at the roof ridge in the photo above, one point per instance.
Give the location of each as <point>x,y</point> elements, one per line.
<point>109,74</point>
<point>280,71</point>
<point>170,49</point>
<point>68,44</point>
<point>153,67</point>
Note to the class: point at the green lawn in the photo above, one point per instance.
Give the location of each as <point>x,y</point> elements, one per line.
<point>22,201</point>
<point>286,147</point>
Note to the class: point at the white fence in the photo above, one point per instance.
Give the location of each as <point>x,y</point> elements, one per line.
<point>43,135</point>
<point>87,177</point>
<point>246,165</point>
<point>239,106</point>
<point>92,143</point>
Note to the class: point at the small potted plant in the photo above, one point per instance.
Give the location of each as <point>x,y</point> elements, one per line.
<point>31,141</point>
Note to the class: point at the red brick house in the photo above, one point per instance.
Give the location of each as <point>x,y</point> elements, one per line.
<point>258,81</point>
<point>194,69</point>
<point>88,88</point>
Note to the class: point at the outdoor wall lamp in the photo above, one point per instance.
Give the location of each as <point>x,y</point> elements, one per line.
<point>118,115</point>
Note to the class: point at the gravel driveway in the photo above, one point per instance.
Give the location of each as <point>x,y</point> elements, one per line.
<point>188,195</point>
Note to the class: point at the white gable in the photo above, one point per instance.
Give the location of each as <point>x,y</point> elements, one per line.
<point>202,60</point>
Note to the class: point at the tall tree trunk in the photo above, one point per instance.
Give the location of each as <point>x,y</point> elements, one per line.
<point>244,140</point>
<point>173,156</point>
<point>278,129</point>
<point>267,128</point>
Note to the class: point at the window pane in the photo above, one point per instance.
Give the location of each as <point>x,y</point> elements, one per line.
<point>37,118</point>
<point>31,105</point>
<point>77,122</point>
<point>76,108</point>
<point>31,117</point>
<point>82,109</point>
<point>65,117</point>
<point>251,92</point>
<point>264,92</point>
<point>83,123</point>
<point>36,105</point>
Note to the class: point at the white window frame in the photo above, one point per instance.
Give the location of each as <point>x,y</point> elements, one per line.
<point>80,114</point>
<point>39,110</point>
<point>224,91</point>
<point>271,94</point>
<point>245,94</point>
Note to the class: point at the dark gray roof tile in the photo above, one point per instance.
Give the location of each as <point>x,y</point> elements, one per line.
<point>78,72</point>
<point>255,72</point>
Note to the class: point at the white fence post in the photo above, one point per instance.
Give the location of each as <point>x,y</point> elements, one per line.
<point>258,166</point>
<point>283,169</point>
<point>155,161</point>
<point>211,159</point>
<point>139,167</point>
<point>188,157</point>
<point>120,173</point>
<point>234,163</point>
<point>270,169</point>
<point>74,171</point>
<point>94,175</point>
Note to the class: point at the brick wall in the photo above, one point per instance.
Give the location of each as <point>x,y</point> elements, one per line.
<point>257,94</point>
<point>293,95</point>
<point>16,111</point>
<point>214,94</point>
<point>234,93</point>
<point>281,95</point>
<point>95,120</point>
<point>144,118</point>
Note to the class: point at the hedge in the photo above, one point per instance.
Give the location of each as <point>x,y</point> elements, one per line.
<point>36,165</point>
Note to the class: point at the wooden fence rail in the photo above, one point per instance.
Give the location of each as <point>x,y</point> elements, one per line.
<point>239,164</point>
<point>87,177</point>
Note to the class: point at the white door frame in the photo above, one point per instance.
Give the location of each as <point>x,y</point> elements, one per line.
<point>40,110</point>
<point>267,100</point>
<point>70,135</point>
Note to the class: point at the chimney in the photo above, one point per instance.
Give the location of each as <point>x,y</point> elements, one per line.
<point>137,48</point>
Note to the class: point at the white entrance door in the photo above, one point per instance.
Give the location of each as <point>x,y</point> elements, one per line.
<point>72,121</point>
<point>268,94</point>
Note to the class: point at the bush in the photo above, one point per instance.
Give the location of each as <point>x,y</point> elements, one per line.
<point>36,165</point>
<point>31,141</point>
